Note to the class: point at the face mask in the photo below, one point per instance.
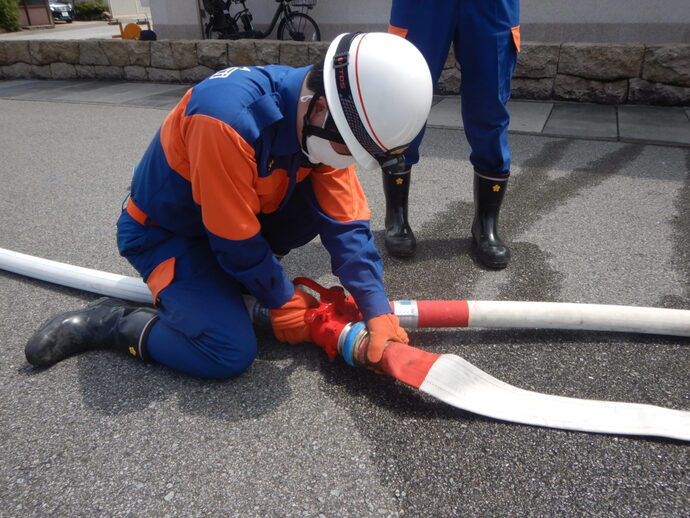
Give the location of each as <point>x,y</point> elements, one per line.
<point>318,149</point>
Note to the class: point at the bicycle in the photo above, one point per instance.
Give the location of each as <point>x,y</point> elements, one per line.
<point>294,24</point>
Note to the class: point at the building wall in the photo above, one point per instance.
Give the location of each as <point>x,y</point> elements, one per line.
<point>627,21</point>
<point>664,21</point>
<point>176,19</point>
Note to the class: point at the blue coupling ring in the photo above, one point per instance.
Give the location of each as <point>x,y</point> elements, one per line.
<point>349,343</point>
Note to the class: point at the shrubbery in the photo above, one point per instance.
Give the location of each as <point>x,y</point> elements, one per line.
<point>90,10</point>
<point>9,15</point>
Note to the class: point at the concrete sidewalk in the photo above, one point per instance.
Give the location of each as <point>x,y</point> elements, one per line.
<point>625,123</point>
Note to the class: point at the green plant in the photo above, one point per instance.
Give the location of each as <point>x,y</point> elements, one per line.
<point>90,10</point>
<point>9,15</point>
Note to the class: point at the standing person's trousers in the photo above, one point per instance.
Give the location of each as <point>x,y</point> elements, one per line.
<point>486,39</point>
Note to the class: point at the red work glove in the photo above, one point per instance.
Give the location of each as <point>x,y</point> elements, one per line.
<point>288,320</point>
<point>383,329</point>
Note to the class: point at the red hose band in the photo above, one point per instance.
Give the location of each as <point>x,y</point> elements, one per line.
<point>443,313</point>
<point>407,364</point>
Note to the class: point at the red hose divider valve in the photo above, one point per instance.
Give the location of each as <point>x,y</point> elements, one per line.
<point>334,312</point>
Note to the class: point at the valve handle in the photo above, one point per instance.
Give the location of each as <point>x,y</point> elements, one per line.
<point>328,320</point>
<point>332,294</point>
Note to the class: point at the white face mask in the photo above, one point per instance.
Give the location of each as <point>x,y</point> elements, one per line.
<point>320,151</point>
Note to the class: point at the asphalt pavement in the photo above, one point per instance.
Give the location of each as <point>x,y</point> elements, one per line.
<point>596,219</point>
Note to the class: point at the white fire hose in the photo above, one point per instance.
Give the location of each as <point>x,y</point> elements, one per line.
<point>487,314</point>
<point>449,377</point>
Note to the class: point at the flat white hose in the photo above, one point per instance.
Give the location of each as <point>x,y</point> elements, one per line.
<point>458,383</point>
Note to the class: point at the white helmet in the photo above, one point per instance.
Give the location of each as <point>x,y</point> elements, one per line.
<point>379,90</point>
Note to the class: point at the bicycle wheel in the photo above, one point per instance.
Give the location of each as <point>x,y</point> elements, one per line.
<point>208,30</point>
<point>299,27</point>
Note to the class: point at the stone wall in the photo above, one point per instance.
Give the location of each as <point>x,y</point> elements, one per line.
<point>184,61</point>
<point>590,72</point>
<point>600,73</point>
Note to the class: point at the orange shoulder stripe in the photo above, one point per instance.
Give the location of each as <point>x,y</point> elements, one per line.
<point>340,194</point>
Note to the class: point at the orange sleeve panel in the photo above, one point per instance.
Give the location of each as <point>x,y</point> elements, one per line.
<point>223,172</point>
<point>340,194</point>
<point>171,138</point>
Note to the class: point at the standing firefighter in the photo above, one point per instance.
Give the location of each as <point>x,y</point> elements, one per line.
<point>253,162</point>
<point>486,38</point>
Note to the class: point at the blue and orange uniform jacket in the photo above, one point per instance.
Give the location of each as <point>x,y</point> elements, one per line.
<point>229,153</point>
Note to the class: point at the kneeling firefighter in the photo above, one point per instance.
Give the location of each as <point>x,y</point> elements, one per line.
<point>253,162</point>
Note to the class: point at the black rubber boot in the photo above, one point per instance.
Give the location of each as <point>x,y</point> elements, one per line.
<point>488,195</point>
<point>400,241</point>
<point>105,324</point>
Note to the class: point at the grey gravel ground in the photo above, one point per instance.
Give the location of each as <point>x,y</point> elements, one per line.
<point>297,435</point>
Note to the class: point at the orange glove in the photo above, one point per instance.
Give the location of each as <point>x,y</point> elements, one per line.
<point>382,330</point>
<point>288,320</point>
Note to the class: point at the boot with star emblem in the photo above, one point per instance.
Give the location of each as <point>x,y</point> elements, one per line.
<point>400,241</point>
<point>489,247</point>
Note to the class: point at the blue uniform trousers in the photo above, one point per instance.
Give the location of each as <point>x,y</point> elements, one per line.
<point>485,35</point>
<point>204,328</point>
